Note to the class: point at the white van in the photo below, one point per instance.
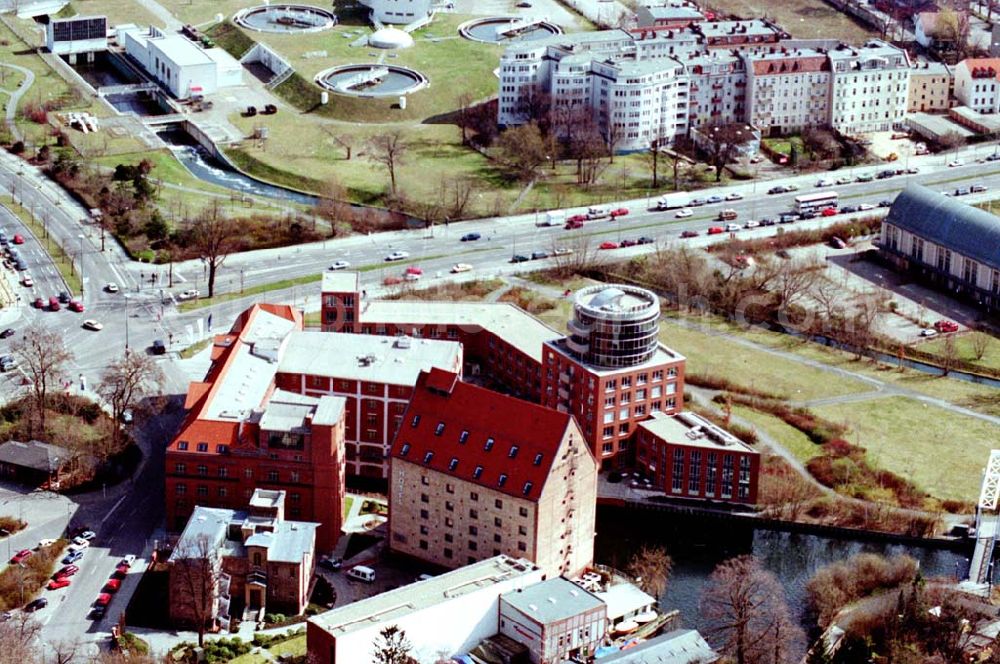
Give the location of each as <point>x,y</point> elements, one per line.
<point>597,211</point>
<point>362,573</point>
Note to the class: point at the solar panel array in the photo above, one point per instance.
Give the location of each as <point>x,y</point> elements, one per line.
<point>79,29</point>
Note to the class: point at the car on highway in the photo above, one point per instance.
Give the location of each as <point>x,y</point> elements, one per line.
<point>912,170</point>
<point>751,224</point>
<point>619,212</point>
<point>576,218</point>
<point>79,544</point>
<point>93,325</point>
<point>962,191</point>
<point>64,297</point>
<point>75,305</point>
<point>885,203</point>
<point>36,604</point>
<point>397,256</point>
<point>39,303</point>
<point>780,189</point>
<point>734,196</point>
<point>864,207</point>
<point>7,362</point>
<point>883,175</point>
<point>189,294</point>
<point>538,255</point>
<point>767,221</point>
<point>628,242</point>
<point>828,212</point>
<point>519,258</point>
<point>954,163</point>
<point>696,202</point>
<point>928,332</point>
<point>103,599</point>
<point>72,557</point>
<point>573,225</point>
<point>562,251</point>
<point>458,268</point>
<point>339,265</point>
<point>688,234</point>
<point>712,200</point>
<point>645,239</point>
<point>824,182</point>
<point>849,209</point>
<point>54,304</point>
<point>111,287</point>
<point>978,188</point>
<point>18,239</point>
<point>732,228</point>
<point>68,570</point>
<point>844,179</point>
<point>6,334</point>
<point>20,555</point>
<point>61,582</point>
<point>864,177</point>
<point>87,535</point>
<point>470,237</point>
<point>608,244</point>
<point>946,326</point>
<point>683,213</point>
<point>27,281</point>
<point>716,230</point>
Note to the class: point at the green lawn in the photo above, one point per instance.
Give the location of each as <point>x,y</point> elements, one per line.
<point>963,345</point>
<point>348,501</point>
<point>295,647</point>
<point>786,435</point>
<point>943,453</point>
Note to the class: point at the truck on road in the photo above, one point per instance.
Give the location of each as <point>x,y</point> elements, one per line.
<point>671,201</point>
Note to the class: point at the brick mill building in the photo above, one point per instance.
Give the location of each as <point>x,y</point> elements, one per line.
<point>483,474</point>
<point>610,372</point>
<point>687,456</point>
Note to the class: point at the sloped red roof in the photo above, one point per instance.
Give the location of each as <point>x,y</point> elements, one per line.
<point>450,432</point>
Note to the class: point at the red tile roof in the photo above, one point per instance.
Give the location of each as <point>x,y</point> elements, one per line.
<point>449,432</point>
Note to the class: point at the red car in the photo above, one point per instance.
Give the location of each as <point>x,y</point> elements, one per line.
<point>20,555</point>
<point>54,303</point>
<point>716,230</point>
<point>413,269</point>
<point>120,572</point>
<point>61,582</point>
<point>68,570</point>
<point>39,303</point>
<point>573,225</point>
<point>609,245</point>
<point>946,326</point>
<point>619,212</point>
<point>828,212</point>
<point>687,234</point>
<point>18,239</point>
<point>103,599</point>
<point>576,218</point>
<point>112,585</point>
<point>75,305</point>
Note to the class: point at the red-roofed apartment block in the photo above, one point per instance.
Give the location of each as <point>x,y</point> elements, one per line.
<point>475,474</point>
<point>611,372</point>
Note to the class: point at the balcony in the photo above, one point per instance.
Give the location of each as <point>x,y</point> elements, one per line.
<point>563,393</point>
<point>580,329</point>
<point>565,377</point>
<point>576,347</point>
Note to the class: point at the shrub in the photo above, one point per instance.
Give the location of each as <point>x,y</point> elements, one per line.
<point>716,382</point>
<point>25,580</point>
<point>838,584</point>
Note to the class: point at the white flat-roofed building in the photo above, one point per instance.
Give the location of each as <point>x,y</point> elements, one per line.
<point>869,87</point>
<point>717,86</point>
<point>398,11</point>
<point>442,616</point>
<point>181,66</point>
<point>625,601</point>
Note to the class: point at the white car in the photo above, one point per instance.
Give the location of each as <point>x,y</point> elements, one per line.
<point>46,542</point>
<point>844,180</point>
<point>27,281</point>
<point>397,256</point>
<point>91,324</point>
<point>460,267</point>
<point>88,535</point>
<point>340,265</point>
<point>683,213</point>
<point>864,207</point>
<point>189,294</point>
<point>111,287</point>
<point>955,162</point>
<point>732,228</point>
<point>127,560</point>
<point>928,332</point>
<point>824,183</point>
<point>562,251</point>
<point>79,544</point>
<point>735,196</point>
<point>751,224</point>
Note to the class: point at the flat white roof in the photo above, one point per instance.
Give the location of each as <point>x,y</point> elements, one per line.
<point>251,370</point>
<point>688,428</point>
<point>180,50</point>
<point>504,319</point>
<point>341,282</point>
<point>623,599</point>
<point>663,355</point>
<point>381,359</point>
<point>395,604</point>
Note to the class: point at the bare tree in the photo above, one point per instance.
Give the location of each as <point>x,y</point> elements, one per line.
<point>748,614</point>
<point>125,382</point>
<point>723,142</point>
<point>17,639</point>
<point>194,581</point>
<point>214,236</point>
<point>465,101</point>
<point>576,255</point>
<point>980,342</point>
<point>389,150</point>
<point>63,651</point>
<point>522,151</point>
<point>949,354</point>
<point>43,357</point>
<point>587,147</point>
<point>651,567</point>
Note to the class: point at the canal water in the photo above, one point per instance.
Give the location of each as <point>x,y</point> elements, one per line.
<point>698,543</point>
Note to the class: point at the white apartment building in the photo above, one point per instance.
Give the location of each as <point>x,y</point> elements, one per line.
<point>718,83</point>
<point>977,84</point>
<point>639,102</point>
<point>869,87</point>
<point>398,11</point>
<point>788,89</point>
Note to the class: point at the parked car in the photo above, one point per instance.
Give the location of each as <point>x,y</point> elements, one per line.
<point>928,332</point>
<point>712,200</point>
<point>72,557</point>
<point>397,256</point>
<point>68,570</point>
<point>332,564</point>
<point>339,265</point>
<point>61,582</point>
<point>93,325</point>
<point>27,281</point>
<point>734,196</point>
<point>64,297</point>
<point>576,218</point>
<point>460,267</point>
<point>54,304</point>
<point>884,203</point>
<point>471,237</point>
<point>864,177</point>
<point>946,326</point>
<point>538,255</point>
<point>87,535</point>
<point>189,294</point>
<point>36,605</point>
<point>519,258</point>
<point>79,544</point>
<point>6,334</point>
<point>75,305</point>
<point>18,239</point>
<point>628,242</point>
<point>48,541</point>
<point>829,212</point>
<point>715,230</point>
<point>112,586</point>
<point>20,555</point>
<point>127,560</point>
<point>608,244</point>
<point>103,599</point>
<point>111,287</point>
<point>751,224</point>
<point>683,213</point>
<point>687,234</point>
<point>645,239</point>
<point>39,303</point>
<point>951,164</point>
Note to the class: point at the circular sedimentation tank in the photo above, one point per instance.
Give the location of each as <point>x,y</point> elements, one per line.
<point>491,30</point>
<point>371,80</point>
<point>288,19</point>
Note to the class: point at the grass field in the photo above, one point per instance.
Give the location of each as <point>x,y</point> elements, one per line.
<point>963,346</point>
<point>788,436</point>
<point>942,452</point>
<point>804,19</point>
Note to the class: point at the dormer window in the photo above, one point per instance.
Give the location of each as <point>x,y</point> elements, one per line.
<point>489,444</point>
<point>538,459</point>
<point>502,480</point>
<point>182,445</point>
<point>453,464</point>
<point>464,436</point>
<point>415,421</point>
<point>439,429</point>
<point>404,450</point>
<point>478,472</point>
<point>513,452</point>
<point>202,447</point>
<point>527,488</point>
<point>428,457</point>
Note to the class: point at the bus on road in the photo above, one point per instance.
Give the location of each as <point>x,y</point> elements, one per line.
<point>815,202</point>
